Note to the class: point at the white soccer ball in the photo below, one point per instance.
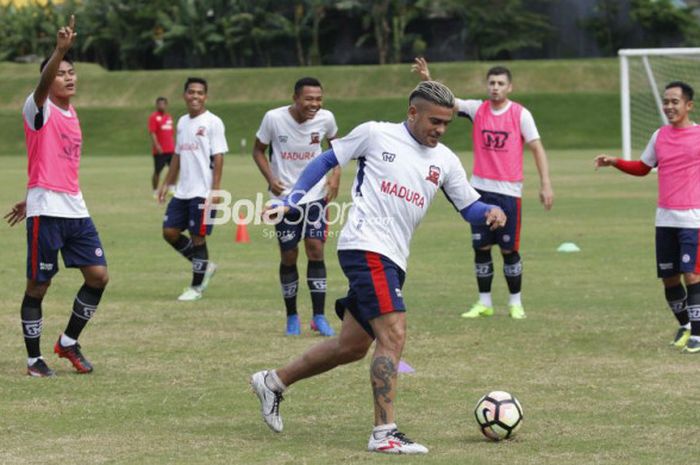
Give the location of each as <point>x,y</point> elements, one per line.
<point>499,415</point>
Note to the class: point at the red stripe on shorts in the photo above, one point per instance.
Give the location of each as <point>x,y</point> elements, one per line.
<point>202,226</point>
<point>697,256</point>
<point>381,286</point>
<point>518,206</point>
<point>35,247</point>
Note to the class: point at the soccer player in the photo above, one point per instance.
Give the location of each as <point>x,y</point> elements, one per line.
<point>199,161</point>
<point>401,167</point>
<point>500,129</point>
<point>160,128</point>
<point>295,133</point>
<point>57,218</point>
<point>675,150</point>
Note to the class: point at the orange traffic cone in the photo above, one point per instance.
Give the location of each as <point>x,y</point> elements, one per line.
<point>242,231</point>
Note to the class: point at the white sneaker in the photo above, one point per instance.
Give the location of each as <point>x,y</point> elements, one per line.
<point>211,270</point>
<point>190,294</point>
<point>394,442</point>
<point>269,401</point>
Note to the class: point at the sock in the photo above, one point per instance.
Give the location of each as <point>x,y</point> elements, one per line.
<point>514,299</point>
<point>273,382</point>
<point>32,360</point>
<point>184,246</point>
<point>84,307</point>
<point>67,341</point>
<point>200,261</point>
<point>485,299</point>
<point>31,325</point>
<point>694,308</point>
<point>289,278</point>
<point>382,431</point>
<point>677,301</point>
<point>513,270</point>
<point>483,268</point>
<point>316,279</point>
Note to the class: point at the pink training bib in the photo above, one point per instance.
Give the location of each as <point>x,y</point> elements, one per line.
<point>678,158</point>
<point>54,152</point>
<point>498,143</point>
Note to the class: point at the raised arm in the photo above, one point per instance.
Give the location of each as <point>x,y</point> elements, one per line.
<point>420,67</point>
<point>64,41</point>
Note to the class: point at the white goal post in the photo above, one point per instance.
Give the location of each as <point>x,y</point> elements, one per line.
<point>643,75</point>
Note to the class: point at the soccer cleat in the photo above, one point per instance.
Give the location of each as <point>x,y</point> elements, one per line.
<point>516,311</point>
<point>320,324</point>
<point>692,347</point>
<point>293,325</point>
<point>478,310</point>
<point>211,270</point>
<point>40,369</point>
<point>269,401</point>
<point>394,442</point>
<point>74,355</point>
<point>681,338</point>
<point>190,294</point>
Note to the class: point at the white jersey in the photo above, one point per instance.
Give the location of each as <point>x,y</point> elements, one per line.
<point>666,217</point>
<point>198,140</point>
<point>397,179</point>
<point>294,145</point>
<point>528,129</point>
<point>45,202</point>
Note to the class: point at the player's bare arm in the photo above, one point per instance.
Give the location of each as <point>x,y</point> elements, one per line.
<point>216,175</point>
<point>276,186</point>
<point>17,214</point>
<point>546,191</point>
<point>420,67</point>
<point>495,218</point>
<point>64,41</point>
<point>156,144</point>
<point>170,179</point>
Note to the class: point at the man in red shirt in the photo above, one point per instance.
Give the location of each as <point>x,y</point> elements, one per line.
<point>160,127</point>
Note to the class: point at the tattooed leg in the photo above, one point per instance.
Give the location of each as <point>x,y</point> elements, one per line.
<point>390,330</point>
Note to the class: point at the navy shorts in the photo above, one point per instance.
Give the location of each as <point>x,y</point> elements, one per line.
<point>76,238</point>
<point>508,237</point>
<point>189,214</point>
<point>375,286</point>
<point>676,251</point>
<point>306,221</point>
<point>161,160</point>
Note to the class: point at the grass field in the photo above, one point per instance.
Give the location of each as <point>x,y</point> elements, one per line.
<point>590,365</point>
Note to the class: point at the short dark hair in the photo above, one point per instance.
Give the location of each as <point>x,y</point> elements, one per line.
<point>197,80</point>
<point>161,99</point>
<point>498,70</point>
<point>686,89</point>
<point>45,61</point>
<point>306,81</point>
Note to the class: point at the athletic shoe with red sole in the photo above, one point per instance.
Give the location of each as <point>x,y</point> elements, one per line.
<point>74,355</point>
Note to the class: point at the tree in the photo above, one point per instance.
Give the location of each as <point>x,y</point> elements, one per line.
<point>664,21</point>
<point>607,26</point>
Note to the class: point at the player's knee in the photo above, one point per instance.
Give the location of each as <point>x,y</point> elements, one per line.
<point>393,338</point>
<point>37,290</point>
<point>289,257</point>
<point>671,281</point>
<point>170,235</point>
<point>314,250</point>
<point>98,279</point>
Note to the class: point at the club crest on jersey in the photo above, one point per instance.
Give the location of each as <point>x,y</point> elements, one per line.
<point>315,138</point>
<point>433,174</point>
<point>201,131</point>
<point>282,139</point>
<point>494,139</point>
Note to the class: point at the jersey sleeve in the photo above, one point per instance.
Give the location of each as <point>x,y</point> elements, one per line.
<point>152,124</point>
<point>265,130</point>
<point>467,108</point>
<point>354,145</point>
<point>217,137</point>
<point>456,187</point>
<point>34,116</point>
<point>528,127</point>
<point>649,155</point>
<point>331,127</point>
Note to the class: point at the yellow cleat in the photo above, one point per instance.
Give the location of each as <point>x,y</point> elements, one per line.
<point>681,338</point>
<point>517,312</point>
<point>478,310</point>
<point>692,347</point>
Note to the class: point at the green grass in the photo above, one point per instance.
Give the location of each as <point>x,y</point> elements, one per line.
<point>590,364</point>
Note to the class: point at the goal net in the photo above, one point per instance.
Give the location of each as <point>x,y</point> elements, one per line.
<point>643,75</point>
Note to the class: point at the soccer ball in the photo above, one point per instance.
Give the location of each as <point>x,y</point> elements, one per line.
<point>499,415</point>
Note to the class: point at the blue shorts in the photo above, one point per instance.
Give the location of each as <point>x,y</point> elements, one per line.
<point>375,286</point>
<point>306,221</point>
<point>189,214</point>
<point>76,238</point>
<point>508,237</point>
<point>676,251</point>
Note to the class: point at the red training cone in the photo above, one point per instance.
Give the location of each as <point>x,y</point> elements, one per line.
<point>242,231</point>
